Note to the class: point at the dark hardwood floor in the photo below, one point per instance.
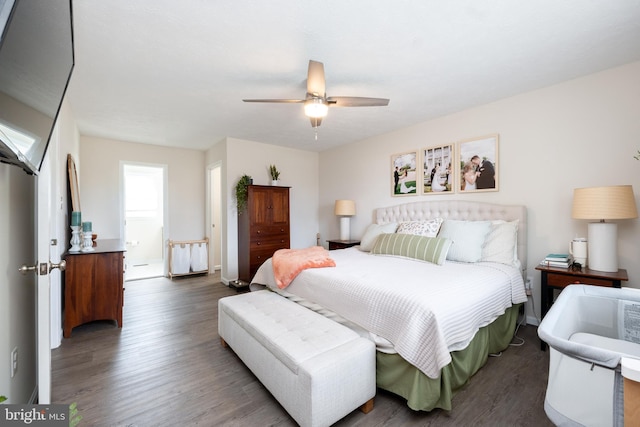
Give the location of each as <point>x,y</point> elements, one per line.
<point>166,367</point>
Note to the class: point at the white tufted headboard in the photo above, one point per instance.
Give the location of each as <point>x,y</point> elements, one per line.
<point>460,210</point>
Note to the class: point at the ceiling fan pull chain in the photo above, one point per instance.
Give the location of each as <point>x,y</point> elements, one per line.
<point>314,124</point>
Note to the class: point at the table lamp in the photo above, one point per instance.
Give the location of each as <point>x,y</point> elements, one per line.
<point>345,209</point>
<point>604,203</point>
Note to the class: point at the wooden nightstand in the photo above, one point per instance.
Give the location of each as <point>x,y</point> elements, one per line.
<point>342,244</point>
<point>559,278</point>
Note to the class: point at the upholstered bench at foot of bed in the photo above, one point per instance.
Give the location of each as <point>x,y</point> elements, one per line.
<point>317,369</point>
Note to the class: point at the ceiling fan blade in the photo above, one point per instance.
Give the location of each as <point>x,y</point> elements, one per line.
<point>316,100</point>
<point>282,101</point>
<point>315,121</point>
<point>315,79</point>
<point>356,101</point>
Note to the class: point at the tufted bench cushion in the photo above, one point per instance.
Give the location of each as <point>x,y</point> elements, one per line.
<point>317,369</point>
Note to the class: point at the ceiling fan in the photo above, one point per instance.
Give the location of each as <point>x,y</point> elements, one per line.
<point>317,103</point>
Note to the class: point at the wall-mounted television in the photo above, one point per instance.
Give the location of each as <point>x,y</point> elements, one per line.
<point>36,61</point>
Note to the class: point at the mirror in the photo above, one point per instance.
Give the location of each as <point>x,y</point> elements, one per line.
<point>73,184</point>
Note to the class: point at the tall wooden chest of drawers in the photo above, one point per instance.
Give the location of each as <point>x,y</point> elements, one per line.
<point>263,228</point>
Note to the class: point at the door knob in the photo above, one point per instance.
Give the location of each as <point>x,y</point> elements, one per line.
<point>25,268</point>
<point>61,265</point>
<point>43,267</point>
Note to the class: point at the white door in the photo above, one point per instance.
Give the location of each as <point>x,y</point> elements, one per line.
<point>27,216</point>
<point>50,246</point>
<point>37,274</point>
<point>214,203</point>
<point>49,316</point>
<point>17,291</point>
<point>43,292</point>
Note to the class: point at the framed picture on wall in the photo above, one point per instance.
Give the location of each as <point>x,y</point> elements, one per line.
<point>478,164</point>
<point>404,173</point>
<point>438,170</point>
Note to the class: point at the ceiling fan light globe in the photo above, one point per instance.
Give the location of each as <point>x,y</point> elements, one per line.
<point>315,108</point>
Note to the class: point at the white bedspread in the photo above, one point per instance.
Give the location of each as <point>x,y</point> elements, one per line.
<point>424,310</point>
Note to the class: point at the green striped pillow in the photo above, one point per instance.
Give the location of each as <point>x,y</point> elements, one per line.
<point>431,249</point>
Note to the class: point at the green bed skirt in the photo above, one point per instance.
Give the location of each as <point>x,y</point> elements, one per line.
<point>398,376</point>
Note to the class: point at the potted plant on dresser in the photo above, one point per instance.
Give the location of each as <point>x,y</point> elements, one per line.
<point>274,173</point>
<point>241,192</point>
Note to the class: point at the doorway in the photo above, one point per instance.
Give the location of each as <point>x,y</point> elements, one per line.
<point>214,212</point>
<point>144,219</point>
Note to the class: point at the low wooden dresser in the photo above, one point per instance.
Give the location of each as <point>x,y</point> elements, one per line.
<point>94,285</point>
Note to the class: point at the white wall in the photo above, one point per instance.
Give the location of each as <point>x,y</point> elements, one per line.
<point>100,185</point>
<point>68,143</point>
<point>299,170</point>
<point>580,133</point>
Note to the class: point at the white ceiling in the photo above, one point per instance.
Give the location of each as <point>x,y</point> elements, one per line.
<point>174,73</point>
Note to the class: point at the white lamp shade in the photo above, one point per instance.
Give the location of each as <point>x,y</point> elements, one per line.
<point>345,208</point>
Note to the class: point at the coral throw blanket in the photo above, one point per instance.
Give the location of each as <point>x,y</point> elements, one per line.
<point>287,263</point>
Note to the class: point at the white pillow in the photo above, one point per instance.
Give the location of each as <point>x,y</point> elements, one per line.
<point>372,232</point>
<point>468,238</point>
<point>501,244</point>
<point>427,228</point>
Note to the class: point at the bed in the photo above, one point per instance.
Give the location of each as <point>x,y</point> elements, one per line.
<point>437,306</point>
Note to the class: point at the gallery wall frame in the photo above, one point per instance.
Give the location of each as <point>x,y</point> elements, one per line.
<point>404,171</point>
<point>478,164</point>
<point>438,169</point>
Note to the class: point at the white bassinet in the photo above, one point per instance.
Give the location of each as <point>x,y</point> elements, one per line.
<point>589,329</point>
